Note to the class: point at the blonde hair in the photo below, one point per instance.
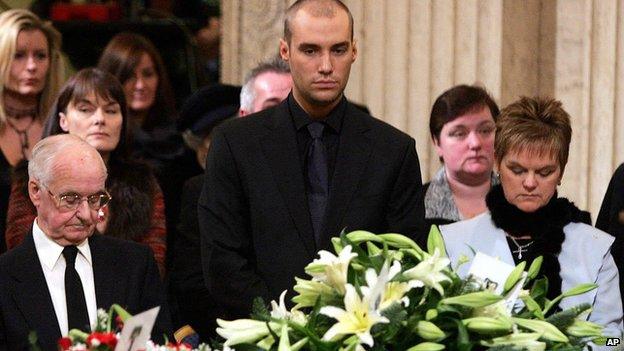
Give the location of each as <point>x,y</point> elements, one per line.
<point>12,22</point>
<point>538,125</point>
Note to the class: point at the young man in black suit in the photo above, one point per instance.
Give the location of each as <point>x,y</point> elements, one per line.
<point>280,183</point>
<point>61,274</point>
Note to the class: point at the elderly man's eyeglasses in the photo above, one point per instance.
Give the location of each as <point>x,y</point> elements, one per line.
<point>71,201</point>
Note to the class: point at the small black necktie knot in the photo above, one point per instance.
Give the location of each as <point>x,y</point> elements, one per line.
<point>77,314</point>
<point>70,252</point>
<point>317,178</point>
<point>316,130</point>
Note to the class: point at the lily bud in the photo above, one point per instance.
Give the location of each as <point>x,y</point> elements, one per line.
<point>429,331</point>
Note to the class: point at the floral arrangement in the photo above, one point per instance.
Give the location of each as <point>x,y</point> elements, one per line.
<point>383,292</point>
<point>107,332</point>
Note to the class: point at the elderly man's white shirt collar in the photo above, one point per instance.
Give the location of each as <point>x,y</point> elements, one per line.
<point>49,251</point>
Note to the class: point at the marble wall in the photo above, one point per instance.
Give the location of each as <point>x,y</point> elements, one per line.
<point>412,50</point>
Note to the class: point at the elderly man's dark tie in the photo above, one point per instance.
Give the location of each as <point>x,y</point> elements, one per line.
<point>317,178</point>
<point>77,315</point>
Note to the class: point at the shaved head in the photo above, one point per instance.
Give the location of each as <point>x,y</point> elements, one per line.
<point>316,8</point>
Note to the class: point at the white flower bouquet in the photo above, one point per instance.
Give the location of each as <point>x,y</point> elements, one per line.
<point>383,292</point>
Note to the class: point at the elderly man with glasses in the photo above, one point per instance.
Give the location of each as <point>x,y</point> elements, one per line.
<point>61,274</point>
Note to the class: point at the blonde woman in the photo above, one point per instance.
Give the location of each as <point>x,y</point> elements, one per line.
<point>31,73</point>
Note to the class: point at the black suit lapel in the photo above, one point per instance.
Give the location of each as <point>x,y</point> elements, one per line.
<point>280,149</point>
<point>353,153</point>
<point>104,276</point>
<point>31,295</point>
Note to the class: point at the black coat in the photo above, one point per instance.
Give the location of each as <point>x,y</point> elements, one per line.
<point>191,300</point>
<point>256,233</point>
<point>611,220</point>
<point>124,273</point>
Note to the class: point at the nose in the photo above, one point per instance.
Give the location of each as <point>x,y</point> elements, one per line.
<point>326,66</point>
<point>98,116</point>
<point>139,84</point>
<point>84,212</point>
<point>474,141</point>
<point>530,182</point>
<point>31,64</point>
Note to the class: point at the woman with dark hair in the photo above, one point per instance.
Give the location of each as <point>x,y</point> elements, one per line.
<point>92,105</point>
<point>136,63</point>
<point>462,126</point>
<point>31,73</point>
<point>526,219</point>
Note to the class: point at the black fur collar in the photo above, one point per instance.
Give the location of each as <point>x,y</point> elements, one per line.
<point>545,226</point>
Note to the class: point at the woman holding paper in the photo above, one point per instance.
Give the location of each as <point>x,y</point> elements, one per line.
<point>526,219</point>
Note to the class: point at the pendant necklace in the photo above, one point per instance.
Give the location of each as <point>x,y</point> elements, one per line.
<point>519,248</point>
<point>23,135</point>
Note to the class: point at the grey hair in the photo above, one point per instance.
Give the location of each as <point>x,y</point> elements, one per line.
<point>45,152</point>
<point>248,95</point>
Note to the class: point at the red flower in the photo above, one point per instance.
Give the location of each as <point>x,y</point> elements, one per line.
<point>108,339</point>
<point>64,343</point>
<point>179,346</point>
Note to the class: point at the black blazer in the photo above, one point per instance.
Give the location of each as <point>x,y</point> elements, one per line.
<point>256,233</point>
<point>124,273</point>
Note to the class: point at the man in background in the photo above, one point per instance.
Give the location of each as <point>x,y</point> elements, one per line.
<point>265,85</point>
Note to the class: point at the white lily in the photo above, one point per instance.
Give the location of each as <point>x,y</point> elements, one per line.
<point>381,291</point>
<point>429,272</point>
<point>309,291</point>
<point>279,311</point>
<point>357,318</point>
<point>332,269</point>
<point>243,330</point>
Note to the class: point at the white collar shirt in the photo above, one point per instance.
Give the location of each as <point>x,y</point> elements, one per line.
<point>53,266</point>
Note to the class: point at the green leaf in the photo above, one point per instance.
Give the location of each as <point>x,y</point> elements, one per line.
<point>514,276</point>
<point>564,319</point>
<point>259,310</point>
<point>539,289</point>
<point>477,299</point>
<point>32,341</point>
<point>533,307</point>
<point>435,241</point>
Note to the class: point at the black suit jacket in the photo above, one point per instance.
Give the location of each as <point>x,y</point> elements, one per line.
<point>124,273</point>
<point>256,233</point>
<point>191,302</point>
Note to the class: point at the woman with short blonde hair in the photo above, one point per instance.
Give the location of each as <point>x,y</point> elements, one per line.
<point>526,219</point>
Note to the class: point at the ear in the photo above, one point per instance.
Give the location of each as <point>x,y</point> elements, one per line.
<point>284,50</point>
<point>436,145</point>
<point>34,192</point>
<point>63,122</point>
<point>353,51</point>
